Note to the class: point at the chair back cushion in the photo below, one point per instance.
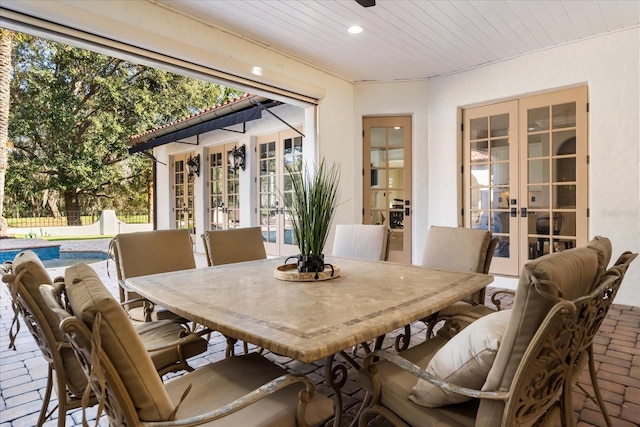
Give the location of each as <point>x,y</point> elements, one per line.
<point>602,246</point>
<point>151,252</point>
<point>235,245</point>
<point>573,272</point>
<point>361,241</point>
<point>88,297</point>
<point>33,275</point>
<point>456,248</point>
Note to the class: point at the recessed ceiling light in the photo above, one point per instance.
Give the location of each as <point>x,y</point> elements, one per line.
<point>257,71</point>
<point>355,29</point>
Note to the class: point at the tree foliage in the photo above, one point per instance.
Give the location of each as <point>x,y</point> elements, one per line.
<point>72,111</point>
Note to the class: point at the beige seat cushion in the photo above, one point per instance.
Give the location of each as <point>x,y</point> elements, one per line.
<point>35,275</point>
<point>573,271</point>
<point>465,360</point>
<point>231,246</point>
<point>397,385</point>
<point>88,297</point>
<point>218,384</point>
<point>361,241</point>
<point>158,333</point>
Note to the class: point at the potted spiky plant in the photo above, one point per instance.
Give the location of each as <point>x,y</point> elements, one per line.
<point>314,199</point>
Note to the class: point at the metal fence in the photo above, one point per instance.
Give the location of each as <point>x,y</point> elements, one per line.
<point>37,221</point>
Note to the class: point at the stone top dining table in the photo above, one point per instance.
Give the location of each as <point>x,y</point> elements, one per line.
<point>307,321</point>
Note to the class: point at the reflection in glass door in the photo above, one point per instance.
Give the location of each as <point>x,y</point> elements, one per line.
<point>387,180</point>
<point>274,189</point>
<point>183,194</point>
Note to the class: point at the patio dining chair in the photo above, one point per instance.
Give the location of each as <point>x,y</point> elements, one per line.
<point>362,241</point>
<point>454,324</point>
<point>231,246</point>
<point>245,390</point>
<point>149,252</point>
<point>167,342</point>
<point>455,249</point>
<point>506,369</point>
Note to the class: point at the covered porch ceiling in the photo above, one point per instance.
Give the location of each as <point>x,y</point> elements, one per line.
<point>409,39</point>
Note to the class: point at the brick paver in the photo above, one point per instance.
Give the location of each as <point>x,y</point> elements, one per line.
<point>617,356</point>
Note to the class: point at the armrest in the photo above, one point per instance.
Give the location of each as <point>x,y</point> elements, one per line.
<point>248,399</point>
<point>496,301</point>
<point>404,364</point>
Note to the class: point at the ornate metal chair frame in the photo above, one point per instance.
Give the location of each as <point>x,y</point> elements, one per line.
<point>49,345</point>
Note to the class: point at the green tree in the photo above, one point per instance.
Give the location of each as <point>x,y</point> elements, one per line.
<point>72,110</point>
<point>6,37</point>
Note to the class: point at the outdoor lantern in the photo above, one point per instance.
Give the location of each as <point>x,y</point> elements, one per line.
<point>193,163</point>
<point>236,158</point>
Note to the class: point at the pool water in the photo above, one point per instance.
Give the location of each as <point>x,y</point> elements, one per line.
<point>70,258</point>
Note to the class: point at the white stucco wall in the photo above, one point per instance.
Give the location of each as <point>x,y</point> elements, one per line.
<point>610,66</point>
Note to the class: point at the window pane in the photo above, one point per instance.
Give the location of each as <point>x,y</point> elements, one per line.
<point>538,119</point>
<point>564,115</point>
<point>480,128</point>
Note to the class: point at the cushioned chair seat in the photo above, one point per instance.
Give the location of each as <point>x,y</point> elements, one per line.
<point>220,383</point>
<point>156,335</point>
<point>397,385</point>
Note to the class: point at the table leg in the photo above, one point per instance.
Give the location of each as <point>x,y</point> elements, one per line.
<point>336,377</point>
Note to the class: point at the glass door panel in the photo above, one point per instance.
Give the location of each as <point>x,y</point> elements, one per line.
<point>233,190</point>
<point>556,171</point>
<point>216,191</point>
<point>387,188</point>
<point>275,188</point>
<point>490,193</point>
<point>224,189</point>
<point>183,194</point>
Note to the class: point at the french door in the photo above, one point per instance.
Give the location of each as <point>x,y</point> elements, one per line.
<point>387,180</point>
<point>223,188</point>
<point>275,188</point>
<point>525,175</point>
<point>183,194</point>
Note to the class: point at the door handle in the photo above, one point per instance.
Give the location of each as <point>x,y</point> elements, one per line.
<point>523,212</point>
<point>514,212</point>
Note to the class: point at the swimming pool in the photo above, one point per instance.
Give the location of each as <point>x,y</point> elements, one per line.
<point>74,257</point>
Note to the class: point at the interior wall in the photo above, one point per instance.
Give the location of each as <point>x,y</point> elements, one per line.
<point>610,66</point>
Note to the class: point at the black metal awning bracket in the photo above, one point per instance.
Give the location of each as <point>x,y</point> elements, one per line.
<point>244,129</point>
<point>277,117</point>
<point>190,143</point>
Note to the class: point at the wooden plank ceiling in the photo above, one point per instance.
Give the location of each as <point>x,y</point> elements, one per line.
<point>410,39</point>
